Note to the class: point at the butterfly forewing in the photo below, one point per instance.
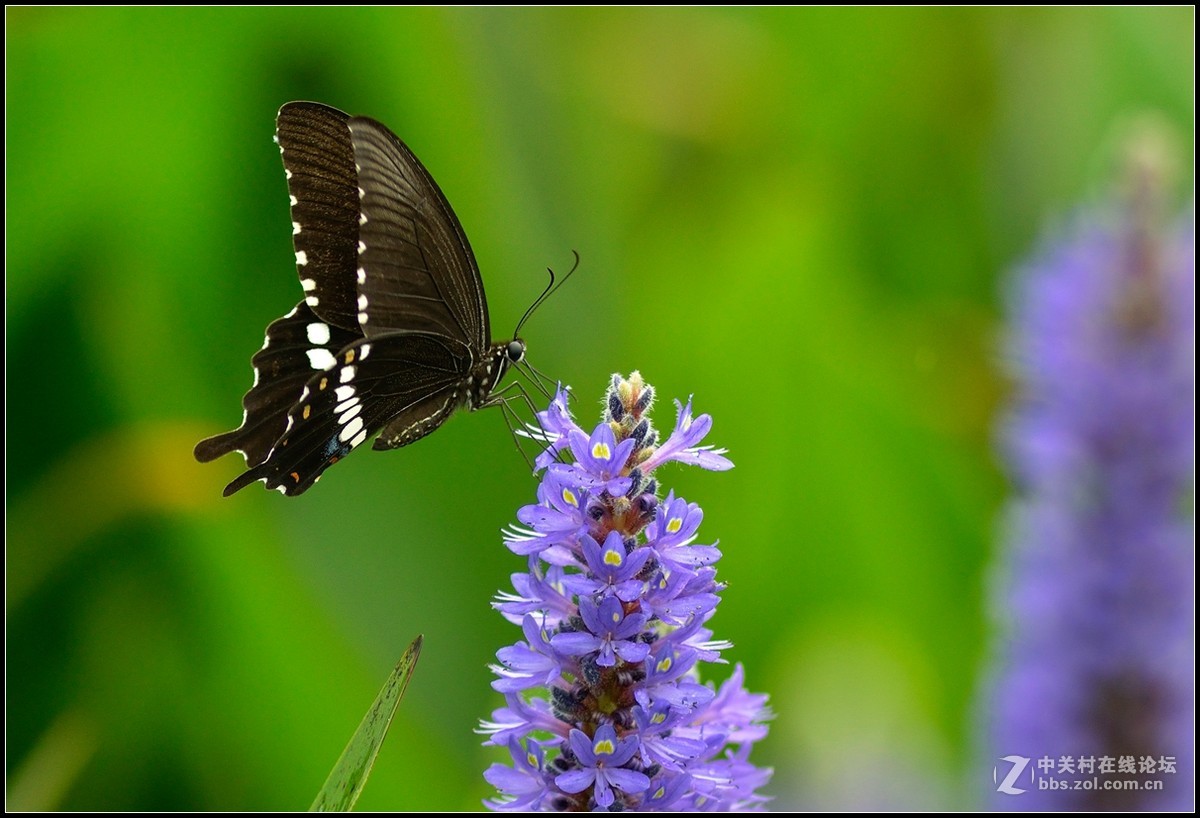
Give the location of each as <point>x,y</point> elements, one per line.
<point>296,346</point>
<point>415,268</point>
<point>318,158</point>
<point>408,381</point>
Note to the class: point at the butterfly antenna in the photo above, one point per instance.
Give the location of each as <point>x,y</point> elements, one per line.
<point>551,288</point>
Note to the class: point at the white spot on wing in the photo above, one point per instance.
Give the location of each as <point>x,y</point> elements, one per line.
<point>304,394</point>
<point>347,373</point>
<point>362,218</point>
<point>364,351</point>
<point>318,334</point>
<point>292,313</point>
<point>345,405</point>
<point>362,302</point>
<point>362,318</point>
<point>362,247</point>
<point>293,200</point>
<point>308,284</point>
<point>295,228</point>
<point>311,300</point>
<point>301,258</point>
<point>320,358</point>
<point>350,430</point>
<point>358,439</point>
<point>288,173</point>
<point>350,414</point>
<point>343,393</point>
<point>362,276</point>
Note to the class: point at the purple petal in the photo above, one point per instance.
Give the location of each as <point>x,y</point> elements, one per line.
<point>574,644</point>
<point>631,651</point>
<point>629,781</point>
<point>575,780</point>
<point>602,793</point>
<point>581,745</point>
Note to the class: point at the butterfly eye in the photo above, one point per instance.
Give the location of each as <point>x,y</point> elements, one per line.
<point>516,351</point>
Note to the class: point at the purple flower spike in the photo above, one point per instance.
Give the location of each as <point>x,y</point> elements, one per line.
<point>1091,701</point>
<point>614,609</point>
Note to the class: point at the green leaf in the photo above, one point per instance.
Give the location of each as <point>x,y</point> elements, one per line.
<point>348,777</point>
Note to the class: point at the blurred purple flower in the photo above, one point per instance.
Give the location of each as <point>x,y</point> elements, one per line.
<point>1096,592</point>
<point>613,610</point>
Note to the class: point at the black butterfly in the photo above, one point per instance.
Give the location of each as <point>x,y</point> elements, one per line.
<point>392,333</point>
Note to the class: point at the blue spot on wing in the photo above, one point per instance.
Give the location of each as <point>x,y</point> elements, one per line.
<point>335,448</point>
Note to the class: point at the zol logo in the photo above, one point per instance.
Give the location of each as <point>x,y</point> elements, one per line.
<point>1019,763</point>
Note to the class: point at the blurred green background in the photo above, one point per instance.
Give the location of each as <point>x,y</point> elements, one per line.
<point>802,217</point>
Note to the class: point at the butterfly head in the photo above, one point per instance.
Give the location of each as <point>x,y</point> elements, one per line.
<point>515,351</point>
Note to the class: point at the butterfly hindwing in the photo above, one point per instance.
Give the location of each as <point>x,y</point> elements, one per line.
<point>415,267</point>
<point>318,158</point>
<point>409,382</point>
<point>296,346</point>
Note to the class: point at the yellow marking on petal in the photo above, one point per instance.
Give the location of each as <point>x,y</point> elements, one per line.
<point>658,718</point>
<point>613,558</point>
<point>569,498</point>
<point>674,524</point>
<point>601,451</point>
<point>604,747</point>
<point>664,664</point>
<point>531,759</point>
<point>616,617</point>
<point>659,792</point>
